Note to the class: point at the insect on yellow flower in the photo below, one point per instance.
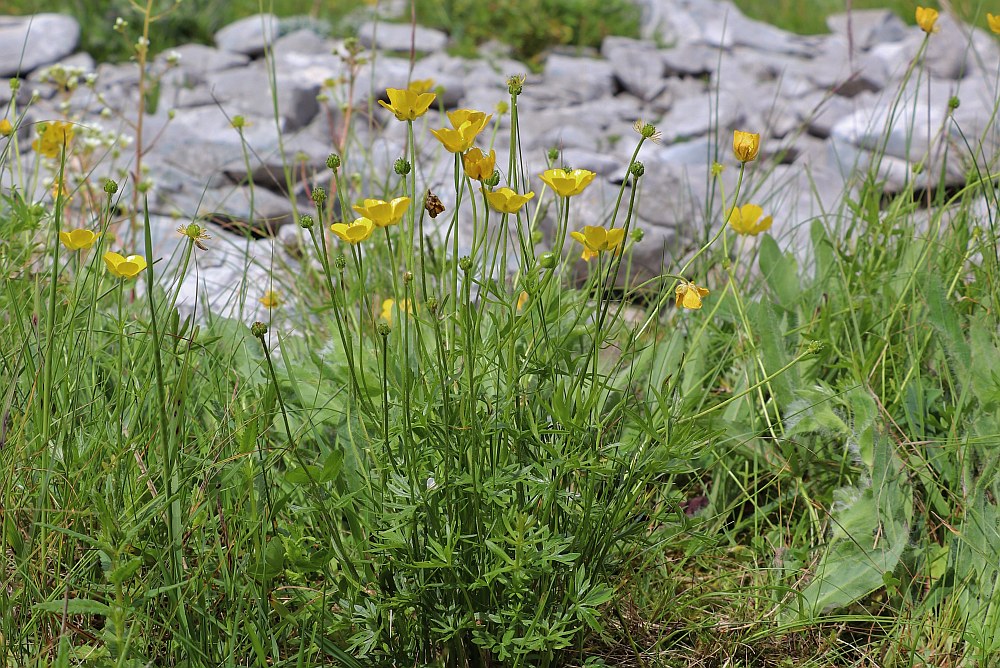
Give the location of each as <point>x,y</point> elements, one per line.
<point>567,183</point>
<point>746,145</point>
<point>747,219</point>
<point>926,19</point>
<point>124,267</point>
<point>76,240</point>
<point>53,138</point>
<point>478,165</point>
<point>355,232</point>
<point>993,21</point>
<point>271,299</point>
<point>407,104</point>
<point>598,239</point>
<point>506,200</point>
<point>688,295</point>
<point>382,213</point>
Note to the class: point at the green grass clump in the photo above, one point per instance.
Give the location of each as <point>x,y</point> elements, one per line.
<point>476,448</point>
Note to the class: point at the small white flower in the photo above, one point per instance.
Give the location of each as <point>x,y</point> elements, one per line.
<point>431,483</point>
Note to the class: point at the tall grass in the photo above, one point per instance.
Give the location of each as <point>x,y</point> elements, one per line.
<point>447,448</point>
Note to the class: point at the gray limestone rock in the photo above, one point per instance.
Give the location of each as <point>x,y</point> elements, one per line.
<point>637,66</point>
<point>836,69</point>
<point>248,91</point>
<point>570,80</point>
<point>29,42</point>
<point>696,60</point>
<point>866,28</point>
<point>249,36</point>
<point>696,116</point>
<point>401,37</point>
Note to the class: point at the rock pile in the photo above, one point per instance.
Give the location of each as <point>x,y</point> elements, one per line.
<point>827,106</point>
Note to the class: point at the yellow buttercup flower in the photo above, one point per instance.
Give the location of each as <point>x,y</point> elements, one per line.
<point>506,200</point>
<point>76,240</point>
<point>479,119</point>
<point>689,295</point>
<point>522,299</point>
<point>124,267</point>
<point>458,140</point>
<point>355,232</point>
<point>406,104</point>
<point>598,239</point>
<point>466,125</point>
<point>271,299</point>
<point>59,189</point>
<point>53,138</point>
<point>994,23</point>
<point>387,306</point>
<point>419,86</point>
<point>587,255</point>
<point>747,219</point>
<point>382,213</point>
<point>926,18</point>
<point>6,129</point>
<point>567,183</point>
<point>746,145</point>
<point>478,165</point>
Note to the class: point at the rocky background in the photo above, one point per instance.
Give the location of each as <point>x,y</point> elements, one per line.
<point>824,105</point>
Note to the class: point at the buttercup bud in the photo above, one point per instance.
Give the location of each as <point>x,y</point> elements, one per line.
<point>258,329</point>
<point>340,262</point>
<point>333,161</point>
<point>547,260</point>
<point>465,263</point>
<point>110,186</point>
<point>515,84</point>
<point>306,222</point>
<point>319,195</point>
<point>401,166</point>
<point>637,169</point>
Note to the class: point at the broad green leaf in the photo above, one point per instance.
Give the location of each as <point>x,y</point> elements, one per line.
<point>781,272</point>
<point>870,532</point>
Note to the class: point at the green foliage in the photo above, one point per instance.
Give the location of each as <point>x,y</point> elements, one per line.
<point>530,26</point>
<point>506,470</point>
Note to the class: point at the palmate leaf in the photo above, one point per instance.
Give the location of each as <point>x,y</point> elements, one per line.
<point>870,531</point>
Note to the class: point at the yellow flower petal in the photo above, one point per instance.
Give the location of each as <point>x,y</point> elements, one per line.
<point>478,165</point>
<point>406,104</point>
<point>271,299</point>
<point>688,295</point>
<point>993,22</point>
<point>746,145</point>
<point>747,219</point>
<point>926,19</point>
<point>567,183</point>
<point>382,213</point>
<point>506,200</point>
<point>78,239</point>
<point>355,232</point>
